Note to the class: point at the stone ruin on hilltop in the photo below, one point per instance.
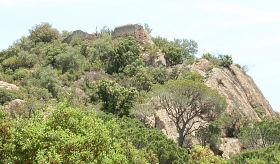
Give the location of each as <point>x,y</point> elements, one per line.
<point>134,30</point>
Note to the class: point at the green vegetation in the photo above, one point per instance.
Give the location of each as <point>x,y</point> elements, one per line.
<point>81,102</point>
<point>221,60</point>
<point>6,95</point>
<point>265,155</point>
<point>67,135</point>
<point>261,134</point>
<point>116,99</point>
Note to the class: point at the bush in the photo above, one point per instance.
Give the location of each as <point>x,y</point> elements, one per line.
<point>159,75</point>
<point>205,155</point>
<point>208,135</point>
<point>47,78</point>
<point>7,95</point>
<point>43,33</point>
<point>67,135</point>
<point>225,60</point>
<point>261,134</point>
<point>265,155</point>
<point>70,61</point>
<point>166,150</point>
<point>116,99</point>
<point>211,58</point>
<point>125,52</point>
<point>192,76</point>
<point>23,59</point>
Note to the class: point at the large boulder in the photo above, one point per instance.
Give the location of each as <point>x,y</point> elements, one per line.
<point>230,147</point>
<point>8,86</point>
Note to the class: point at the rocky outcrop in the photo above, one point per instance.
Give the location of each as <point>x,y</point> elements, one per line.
<point>239,89</point>
<point>134,30</point>
<point>154,60</point>
<point>230,147</point>
<point>8,86</point>
<point>15,108</point>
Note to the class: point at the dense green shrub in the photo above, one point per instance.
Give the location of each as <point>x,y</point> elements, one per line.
<point>192,76</point>
<point>225,60</point>
<point>261,134</point>
<point>144,138</point>
<point>265,155</point>
<point>213,59</point>
<point>159,75</point>
<point>208,135</point>
<point>47,78</point>
<point>68,135</point>
<point>115,98</point>
<point>22,59</point>
<point>126,51</point>
<point>200,155</point>
<point>72,60</point>
<point>7,95</point>
<point>43,33</point>
<point>173,54</point>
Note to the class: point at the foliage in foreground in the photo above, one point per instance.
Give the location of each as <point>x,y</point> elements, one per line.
<point>262,156</point>
<point>66,135</point>
<point>166,150</point>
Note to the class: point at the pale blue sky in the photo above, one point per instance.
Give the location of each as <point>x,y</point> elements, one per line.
<point>248,30</point>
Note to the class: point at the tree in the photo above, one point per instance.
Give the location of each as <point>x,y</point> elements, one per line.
<point>43,33</point>
<point>116,99</point>
<point>173,54</point>
<point>147,28</point>
<point>189,47</point>
<point>188,103</point>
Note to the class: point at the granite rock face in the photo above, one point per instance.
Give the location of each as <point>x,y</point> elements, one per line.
<point>230,147</point>
<point>240,91</point>
<point>238,88</point>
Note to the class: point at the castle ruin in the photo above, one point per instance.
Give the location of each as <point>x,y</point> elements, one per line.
<point>134,30</point>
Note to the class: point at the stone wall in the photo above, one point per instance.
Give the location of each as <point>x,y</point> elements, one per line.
<point>134,30</point>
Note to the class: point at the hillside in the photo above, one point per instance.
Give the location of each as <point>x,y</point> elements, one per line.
<point>123,96</point>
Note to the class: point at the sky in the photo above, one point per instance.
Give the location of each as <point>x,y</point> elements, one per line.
<point>248,30</point>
